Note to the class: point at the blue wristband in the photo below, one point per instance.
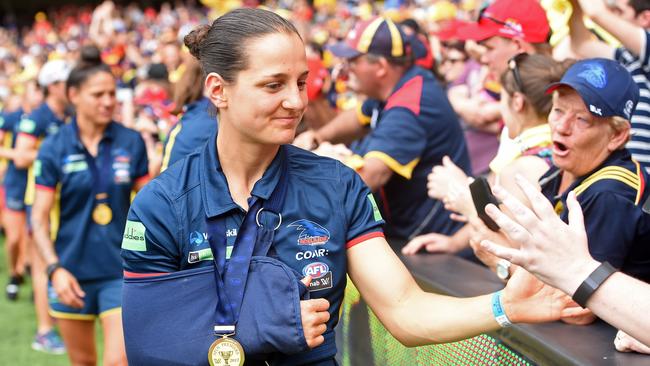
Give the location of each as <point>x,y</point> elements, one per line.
<point>498,312</point>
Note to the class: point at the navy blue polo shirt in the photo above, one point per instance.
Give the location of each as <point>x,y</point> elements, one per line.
<point>42,122</point>
<point>411,132</point>
<point>88,250</point>
<point>193,130</point>
<point>617,228</point>
<point>327,209</point>
<point>15,179</point>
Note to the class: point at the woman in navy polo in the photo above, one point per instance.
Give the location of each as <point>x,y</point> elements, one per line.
<point>329,225</point>
<point>84,175</point>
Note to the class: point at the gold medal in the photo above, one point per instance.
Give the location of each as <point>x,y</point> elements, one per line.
<point>102,214</point>
<point>226,352</point>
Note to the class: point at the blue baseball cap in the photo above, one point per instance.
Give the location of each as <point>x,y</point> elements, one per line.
<point>606,87</point>
<point>378,36</point>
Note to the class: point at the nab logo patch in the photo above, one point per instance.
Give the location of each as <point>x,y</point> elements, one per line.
<point>316,270</point>
<point>310,233</point>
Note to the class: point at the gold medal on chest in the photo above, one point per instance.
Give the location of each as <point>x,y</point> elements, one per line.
<point>226,352</point>
<point>102,214</point>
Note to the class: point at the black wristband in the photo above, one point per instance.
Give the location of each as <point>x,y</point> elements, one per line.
<point>591,283</point>
<point>51,268</point>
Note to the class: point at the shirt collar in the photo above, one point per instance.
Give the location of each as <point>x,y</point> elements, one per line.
<point>214,185</point>
<point>109,132</point>
<point>553,176</point>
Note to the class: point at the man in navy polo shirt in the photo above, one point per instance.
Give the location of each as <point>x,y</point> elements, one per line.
<point>409,126</point>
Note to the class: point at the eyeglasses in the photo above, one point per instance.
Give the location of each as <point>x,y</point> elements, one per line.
<point>513,65</point>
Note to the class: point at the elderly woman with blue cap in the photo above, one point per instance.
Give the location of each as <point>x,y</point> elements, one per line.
<point>589,119</point>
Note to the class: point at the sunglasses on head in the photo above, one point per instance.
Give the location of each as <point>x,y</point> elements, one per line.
<point>513,65</point>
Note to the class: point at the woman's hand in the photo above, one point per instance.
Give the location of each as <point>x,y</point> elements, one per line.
<point>459,199</point>
<point>314,314</point>
<point>306,140</point>
<point>481,232</point>
<point>433,243</point>
<point>444,176</point>
<point>576,315</point>
<point>528,300</point>
<point>555,252</point>
<point>339,151</point>
<point>67,288</point>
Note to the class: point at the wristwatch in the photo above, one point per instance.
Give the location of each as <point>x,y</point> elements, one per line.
<point>51,269</point>
<point>503,269</point>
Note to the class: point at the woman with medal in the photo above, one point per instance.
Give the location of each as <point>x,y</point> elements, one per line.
<point>84,178</point>
<point>208,225</point>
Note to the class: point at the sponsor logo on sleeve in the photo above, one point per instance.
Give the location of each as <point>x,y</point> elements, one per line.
<point>38,168</point>
<point>134,236</point>
<point>27,125</point>
<point>375,209</point>
<point>310,233</point>
<point>321,276</point>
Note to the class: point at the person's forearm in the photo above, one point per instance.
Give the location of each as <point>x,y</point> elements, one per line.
<point>582,42</point>
<point>24,159</point>
<point>7,153</point>
<point>343,129</point>
<point>630,35</point>
<point>42,241</point>
<point>623,301</point>
<point>427,318</point>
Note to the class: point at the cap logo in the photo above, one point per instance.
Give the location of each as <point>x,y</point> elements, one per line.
<point>594,74</point>
<point>628,109</point>
<point>594,109</point>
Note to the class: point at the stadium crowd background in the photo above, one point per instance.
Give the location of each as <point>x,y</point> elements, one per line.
<point>143,46</point>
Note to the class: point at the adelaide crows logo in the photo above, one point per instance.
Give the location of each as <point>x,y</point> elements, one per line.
<point>310,232</point>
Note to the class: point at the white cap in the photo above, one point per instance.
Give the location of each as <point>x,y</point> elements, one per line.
<point>53,71</point>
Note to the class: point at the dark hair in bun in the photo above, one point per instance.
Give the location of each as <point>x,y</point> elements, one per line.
<point>220,47</point>
<point>89,64</point>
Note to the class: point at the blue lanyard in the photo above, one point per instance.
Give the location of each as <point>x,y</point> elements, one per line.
<point>102,176</point>
<point>253,239</point>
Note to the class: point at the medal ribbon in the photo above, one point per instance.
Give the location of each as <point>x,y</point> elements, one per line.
<point>253,239</point>
<point>101,177</point>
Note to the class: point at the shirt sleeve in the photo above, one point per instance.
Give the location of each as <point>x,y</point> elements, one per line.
<point>28,126</point>
<point>149,244</point>
<point>366,109</point>
<point>398,141</point>
<point>362,214</point>
<point>627,58</point>
<point>610,221</point>
<point>141,162</point>
<point>46,168</point>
